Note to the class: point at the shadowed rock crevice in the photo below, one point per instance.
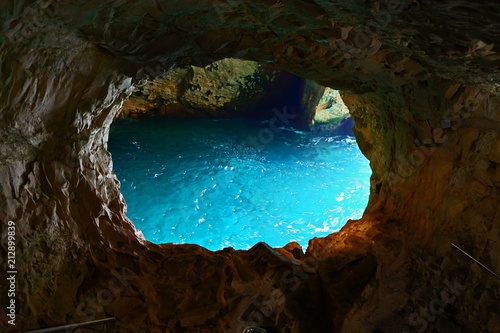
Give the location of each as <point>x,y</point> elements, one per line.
<point>421,85</point>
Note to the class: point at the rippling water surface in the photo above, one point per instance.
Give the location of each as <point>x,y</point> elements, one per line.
<point>203,182</point>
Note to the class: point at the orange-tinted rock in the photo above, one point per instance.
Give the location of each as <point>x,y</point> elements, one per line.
<point>423,92</point>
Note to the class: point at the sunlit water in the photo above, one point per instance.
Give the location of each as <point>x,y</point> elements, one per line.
<point>203,182</point>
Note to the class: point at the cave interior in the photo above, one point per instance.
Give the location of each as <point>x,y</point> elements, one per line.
<point>421,81</point>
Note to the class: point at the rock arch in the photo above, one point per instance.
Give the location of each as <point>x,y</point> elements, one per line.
<point>424,95</point>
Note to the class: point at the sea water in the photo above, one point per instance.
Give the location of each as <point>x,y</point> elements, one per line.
<point>234,183</point>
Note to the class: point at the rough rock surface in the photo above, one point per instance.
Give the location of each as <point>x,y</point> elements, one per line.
<point>421,81</point>
<point>227,88</point>
<point>331,113</point>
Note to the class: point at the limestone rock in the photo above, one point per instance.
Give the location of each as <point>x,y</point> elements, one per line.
<point>227,88</point>
<point>421,81</point>
<point>332,114</point>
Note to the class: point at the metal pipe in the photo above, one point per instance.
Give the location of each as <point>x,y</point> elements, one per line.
<point>254,329</point>
<point>72,327</point>
<point>477,261</point>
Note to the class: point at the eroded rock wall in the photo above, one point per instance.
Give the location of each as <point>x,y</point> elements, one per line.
<point>66,68</point>
<point>227,88</point>
<point>332,114</point>
<point>437,189</point>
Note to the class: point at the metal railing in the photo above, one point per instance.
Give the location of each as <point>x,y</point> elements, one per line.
<point>476,261</point>
<point>72,327</point>
<point>254,329</point>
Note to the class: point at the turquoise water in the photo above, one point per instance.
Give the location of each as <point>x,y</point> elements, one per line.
<point>204,182</point>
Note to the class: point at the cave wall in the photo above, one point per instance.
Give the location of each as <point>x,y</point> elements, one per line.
<point>436,189</point>
<point>421,80</point>
<point>229,88</point>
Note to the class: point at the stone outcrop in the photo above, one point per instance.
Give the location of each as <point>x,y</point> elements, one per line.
<point>332,114</point>
<point>421,81</point>
<point>229,88</point>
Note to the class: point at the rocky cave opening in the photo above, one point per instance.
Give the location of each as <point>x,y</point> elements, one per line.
<point>421,80</point>
<point>237,153</point>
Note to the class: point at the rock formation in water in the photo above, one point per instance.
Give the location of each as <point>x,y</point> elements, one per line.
<point>225,88</point>
<point>229,88</point>
<point>421,81</point>
<point>332,114</point>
